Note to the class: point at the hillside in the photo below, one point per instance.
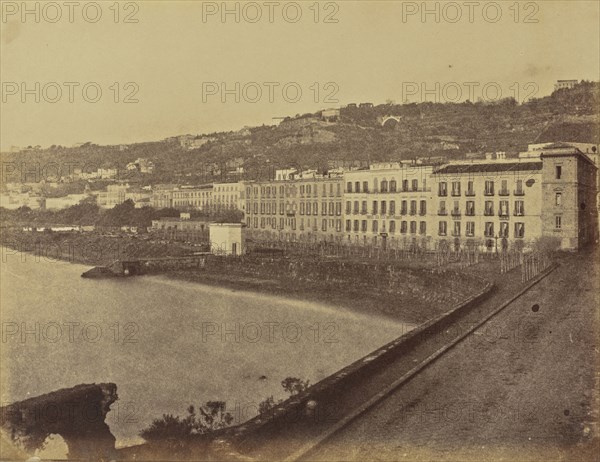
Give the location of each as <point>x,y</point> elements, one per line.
<point>424,130</point>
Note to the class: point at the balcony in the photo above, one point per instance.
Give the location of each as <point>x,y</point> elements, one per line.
<point>442,212</point>
<point>504,192</point>
<point>518,192</point>
<point>442,193</point>
<point>488,213</point>
<point>456,233</point>
<point>519,213</point>
<point>442,233</point>
<point>470,193</point>
<point>456,193</point>
<point>470,213</point>
<point>455,213</point>
<point>488,192</point>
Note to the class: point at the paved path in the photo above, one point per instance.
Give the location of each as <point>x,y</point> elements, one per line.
<point>293,440</point>
<point>518,389</point>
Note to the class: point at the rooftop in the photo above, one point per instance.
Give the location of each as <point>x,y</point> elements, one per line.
<point>489,167</point>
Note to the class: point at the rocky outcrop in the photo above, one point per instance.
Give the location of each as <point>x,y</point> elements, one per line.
<point>76,414</point>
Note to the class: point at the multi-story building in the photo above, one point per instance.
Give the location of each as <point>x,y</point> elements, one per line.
<point>307,208</point>
<point>569,191</point>
<point>162,196</point>
<point>116,194</point>
<point>229,196</point>
<point>204,197</point>
<point>505,204</point>
<point>388,203</point>
<point>192,197</point>
<point>492,204</point>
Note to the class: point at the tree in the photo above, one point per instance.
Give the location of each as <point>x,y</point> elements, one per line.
<point>291,385</point>
<point>294,385</point>
<point>174,432</point>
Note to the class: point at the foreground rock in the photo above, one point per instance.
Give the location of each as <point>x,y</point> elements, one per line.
<point>76,414</point>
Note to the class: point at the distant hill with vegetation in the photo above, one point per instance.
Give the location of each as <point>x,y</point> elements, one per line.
<point>420,130</point>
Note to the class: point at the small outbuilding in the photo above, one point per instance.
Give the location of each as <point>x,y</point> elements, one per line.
<point>227,239</point>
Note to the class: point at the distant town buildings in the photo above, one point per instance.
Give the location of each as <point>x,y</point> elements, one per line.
<point>15,200</point>
<point>58,203</point>
<point>141,165</point>
<point>491,202</point>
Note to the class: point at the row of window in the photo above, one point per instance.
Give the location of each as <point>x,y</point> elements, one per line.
<point>327,189</point>
<point>283,223</point>
<point>308,208</point>
<point>503,208</point>
<point>362,226</point>
<point>487,191</point>
<point>385,186</point>
<point>188,202</point>
<point>503,231</point>
<point>185,195</point>
<point>385,208</point>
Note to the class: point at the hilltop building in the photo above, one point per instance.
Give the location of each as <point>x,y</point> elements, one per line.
<point>561,84</point>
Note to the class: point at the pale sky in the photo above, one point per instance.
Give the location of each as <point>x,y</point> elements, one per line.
<point>372,53</point>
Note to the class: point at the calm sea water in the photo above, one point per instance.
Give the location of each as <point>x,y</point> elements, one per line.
<point>166,344</point>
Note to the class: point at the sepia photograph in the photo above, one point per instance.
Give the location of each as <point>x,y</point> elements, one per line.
<point>312,230</point>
